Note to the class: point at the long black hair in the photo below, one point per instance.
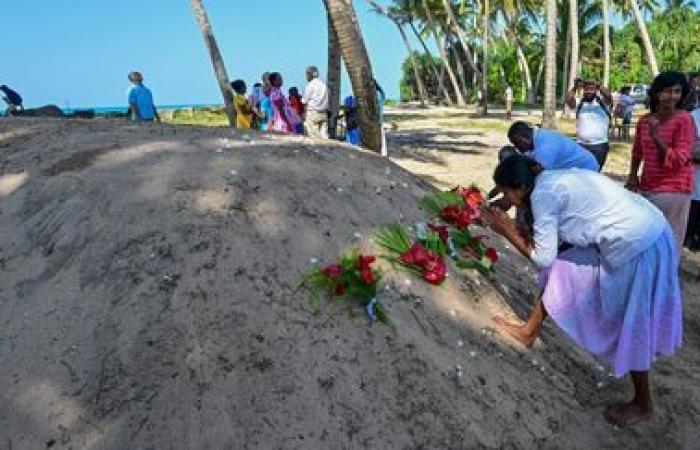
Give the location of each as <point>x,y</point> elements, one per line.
<point>665,80</point>
<point>519,172</point>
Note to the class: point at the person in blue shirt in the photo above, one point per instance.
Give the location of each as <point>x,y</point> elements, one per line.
<point>550,148</point>
<point>141,105</point>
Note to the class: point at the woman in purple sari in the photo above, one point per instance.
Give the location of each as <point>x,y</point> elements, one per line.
<point>285,120</point>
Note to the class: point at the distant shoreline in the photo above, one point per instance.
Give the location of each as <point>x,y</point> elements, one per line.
<point>103,110</point>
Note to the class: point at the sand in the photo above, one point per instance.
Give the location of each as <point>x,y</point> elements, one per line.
<point>149,299</point>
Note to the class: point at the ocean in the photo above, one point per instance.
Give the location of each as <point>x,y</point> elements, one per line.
<point>102,110</point>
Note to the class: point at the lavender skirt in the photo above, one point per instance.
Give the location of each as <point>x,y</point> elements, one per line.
<point>627,316</point>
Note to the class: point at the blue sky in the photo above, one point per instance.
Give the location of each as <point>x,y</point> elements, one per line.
<point>80,51</point>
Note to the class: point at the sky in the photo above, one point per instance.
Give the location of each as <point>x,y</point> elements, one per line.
<point>79,52</point>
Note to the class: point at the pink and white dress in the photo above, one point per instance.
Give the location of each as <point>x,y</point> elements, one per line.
<point>278,124</point>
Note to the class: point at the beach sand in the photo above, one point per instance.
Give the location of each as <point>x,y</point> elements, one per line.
<point>149,298</point>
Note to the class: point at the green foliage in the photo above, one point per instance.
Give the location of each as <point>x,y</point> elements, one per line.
<point>434,203</point>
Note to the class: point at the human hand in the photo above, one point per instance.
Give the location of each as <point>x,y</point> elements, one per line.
<point>632,183</point>
<point>501,203</point>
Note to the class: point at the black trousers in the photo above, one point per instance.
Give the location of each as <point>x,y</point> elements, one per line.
<point>692,233</point>
<point>600,151</point>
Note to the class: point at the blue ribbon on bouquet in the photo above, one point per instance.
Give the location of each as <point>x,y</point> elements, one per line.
<point>370,310</point>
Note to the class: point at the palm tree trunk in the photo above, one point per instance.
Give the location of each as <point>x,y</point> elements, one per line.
<point>443,54</point>
<point>485,62</point>
<point>422,92</point>
<point>333,79</point>
<point>460,34</point>
<point>538,78</point>
<point>529,91</point>
<point>217,61</point>
<point>438,75</point>
<point>644,35</point>
<point>460,67</point>
<point>550,82</point>
<point>359,68</point>
<point>606,43</point>
<point>573,26</point>
<point>565,66</point>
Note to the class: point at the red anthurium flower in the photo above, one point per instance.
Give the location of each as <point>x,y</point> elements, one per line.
<point>333,271</point>
<point>492,254</point>
<point>339,289</point>
<point>472,196</point>
<point>463,219</point>
<point>450,214</point>
<point>416,255</point>
<point>363,264</point>
<point>434,271</point>
<point>441,230</point>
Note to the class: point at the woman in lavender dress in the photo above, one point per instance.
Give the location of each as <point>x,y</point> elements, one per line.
<point>616,292</point>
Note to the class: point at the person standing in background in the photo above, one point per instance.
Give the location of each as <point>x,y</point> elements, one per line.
<point>692,234</point>
<point>381,99</point>
<point>244,110</point>
<point>592,119</point>
<point>140,98</point>
<point>509,102</point>
<point>692,100</point>
<point>297,106</point>
<point>315,98</point>
<point>664,142</point>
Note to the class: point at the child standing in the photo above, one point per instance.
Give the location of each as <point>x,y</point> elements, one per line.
<point>297,106</point>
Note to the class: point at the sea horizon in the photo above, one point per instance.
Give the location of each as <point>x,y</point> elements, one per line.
<point>123,109</point>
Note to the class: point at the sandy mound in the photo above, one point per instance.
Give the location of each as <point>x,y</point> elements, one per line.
<point>148,299</point>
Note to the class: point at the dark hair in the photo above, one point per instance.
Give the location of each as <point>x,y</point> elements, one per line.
<point>274,76</point>
<point>519,172</point>
<point>520,128</point>
<point>665,80</point>
<point>625,90</point>
<point>257,85</point>
<point>238,86</point>
<point>692,75</point>
<point>506,152</point>
<point>294,92</point>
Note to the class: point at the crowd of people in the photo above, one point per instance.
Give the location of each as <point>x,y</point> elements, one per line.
<point>608,254</point>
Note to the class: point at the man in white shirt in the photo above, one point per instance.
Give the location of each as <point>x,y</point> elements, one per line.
<point>509,102</point>
<point>315,100</point>
<point>592,118</point>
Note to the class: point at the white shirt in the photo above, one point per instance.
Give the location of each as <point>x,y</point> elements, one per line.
<point>315,95</point>
<point>509,94</point>
<point>585,208</point>
<point>592,123</point>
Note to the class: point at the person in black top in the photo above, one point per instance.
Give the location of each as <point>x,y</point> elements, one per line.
<point>12,98</point>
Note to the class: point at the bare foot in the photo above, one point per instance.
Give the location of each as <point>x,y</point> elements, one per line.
<point>515,331</point>
<point>626,414</point>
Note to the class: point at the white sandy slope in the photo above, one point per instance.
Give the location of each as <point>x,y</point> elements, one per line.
<point>149,299</point>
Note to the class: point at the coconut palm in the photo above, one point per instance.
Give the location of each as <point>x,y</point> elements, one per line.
<point>333,78</point>
<point>357,63</point>
<point>432,26</point>
<point>485,14</point>
<point>574,33</point>
<point>217,61</point>
<point>606,42</point>
<point>550,77</point>
<point>395,16</point>
<point>633,8</point>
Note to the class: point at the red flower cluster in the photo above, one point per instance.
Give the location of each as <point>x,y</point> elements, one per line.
<point>460,216</point>
<point>472,196</point>
<point>441,230</point>
<point>434,269</point>
<point>335,272</point>
<point>492,254</point>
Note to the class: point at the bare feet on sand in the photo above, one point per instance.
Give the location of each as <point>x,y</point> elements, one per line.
<point>518,332</point>
<point>626,414</point>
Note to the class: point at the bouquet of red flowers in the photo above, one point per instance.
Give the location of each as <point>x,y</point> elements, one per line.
<point>479,255</point>
<point>459,207</point>
<point>352,277</point>
<point>424,259</point>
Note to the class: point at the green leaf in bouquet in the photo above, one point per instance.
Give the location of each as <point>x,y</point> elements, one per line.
<point>395,238</point>
<point>436,202</point>
<point>435,244</point>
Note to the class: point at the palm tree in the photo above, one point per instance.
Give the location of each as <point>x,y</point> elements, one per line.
<point>352,47</point>
<point>550,82</point>
<point>606,43</point>
<point>430,22</point>
<point>461,34</point>
<point>333,78</point>
<point>573,26</point>
<point>217,61</point>
<point>394,15</point>
<point>484,64</point>
<point>632,8</point>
